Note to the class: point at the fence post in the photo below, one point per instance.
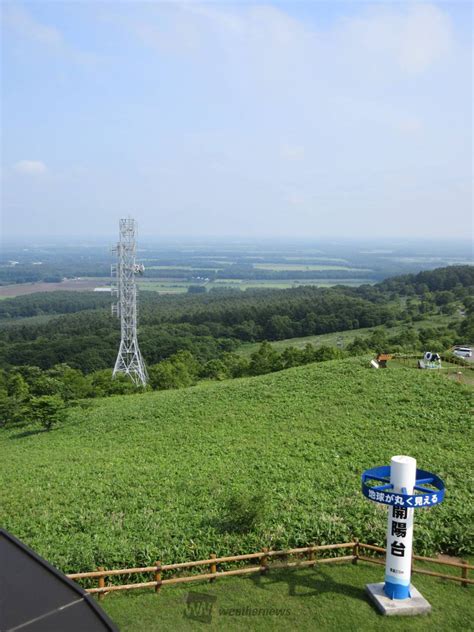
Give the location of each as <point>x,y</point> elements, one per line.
<point>355,551</point>
<point>264,561</point>
<point>213,566</point>
<point>311,553</point>
<point>464,573</point>
<point>101,583</point>
<point>158,576</point>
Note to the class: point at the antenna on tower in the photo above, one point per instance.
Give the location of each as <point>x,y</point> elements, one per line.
<point>129,359</point>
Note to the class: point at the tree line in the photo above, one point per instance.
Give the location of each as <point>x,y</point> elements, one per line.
<point>31,396</point>
<point>200,343</point>
<point>210,325</point>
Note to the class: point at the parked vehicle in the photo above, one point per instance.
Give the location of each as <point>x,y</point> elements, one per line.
<point>430,360</point>
<point>462,352</point>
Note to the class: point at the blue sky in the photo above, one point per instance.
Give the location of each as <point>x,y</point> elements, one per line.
<point>206,119</point>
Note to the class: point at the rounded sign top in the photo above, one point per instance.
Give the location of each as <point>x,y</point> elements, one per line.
<point>405,460</point>
<point>384,493</point>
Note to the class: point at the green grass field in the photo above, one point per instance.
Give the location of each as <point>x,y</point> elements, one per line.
<point>279,267</point>
<point>174,286</point>
<point>330,599</point>
<point>170,268</point>
<point>348,335</point>
<point>128,480</point>
<point>280,284</point>
<point>242,284</point>
<point>177,286</point>
<point>320,257</point>
<point>331,339</point>
<point>448,370</point>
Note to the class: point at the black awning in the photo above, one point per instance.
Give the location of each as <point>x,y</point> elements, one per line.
<point>36,597</point>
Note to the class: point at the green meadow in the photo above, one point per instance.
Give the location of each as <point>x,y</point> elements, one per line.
<point>230,467</point>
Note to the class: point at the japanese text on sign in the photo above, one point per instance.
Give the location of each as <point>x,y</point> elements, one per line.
<point>402,500</point>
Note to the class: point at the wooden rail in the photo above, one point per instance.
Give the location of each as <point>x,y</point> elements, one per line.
<point>463,566</point>
<point>456,360</point>
<point>264,566</point>
<point>212,562</point>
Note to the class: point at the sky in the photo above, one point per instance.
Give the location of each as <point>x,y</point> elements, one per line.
<point>284,119</point>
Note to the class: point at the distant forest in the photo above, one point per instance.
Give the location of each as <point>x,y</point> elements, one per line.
<point>80,331</point>
<point>57,349</point>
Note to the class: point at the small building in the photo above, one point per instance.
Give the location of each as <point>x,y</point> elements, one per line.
<point>382,359</point>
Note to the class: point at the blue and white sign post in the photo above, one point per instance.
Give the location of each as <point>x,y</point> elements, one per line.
<point>400,530</point>
<point>403,490</point>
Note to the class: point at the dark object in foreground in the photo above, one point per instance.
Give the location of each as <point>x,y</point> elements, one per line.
<point>36,597</point>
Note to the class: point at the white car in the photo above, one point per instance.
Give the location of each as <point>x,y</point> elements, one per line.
<point>463,352</point>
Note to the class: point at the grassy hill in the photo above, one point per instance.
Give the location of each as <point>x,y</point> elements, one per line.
<point>348,335</point>
<point>176,475</point>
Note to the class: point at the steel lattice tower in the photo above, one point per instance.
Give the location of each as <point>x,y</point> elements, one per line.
<point>129,359</point>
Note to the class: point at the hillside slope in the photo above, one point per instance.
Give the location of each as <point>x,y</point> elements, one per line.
<point>133,479</point>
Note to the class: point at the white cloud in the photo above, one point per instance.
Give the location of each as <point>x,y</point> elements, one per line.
<point>30,167</point>
<point>24,24</point>
<point>412,38</point>
<point>409,37</point>
<point>312,76</point>
<point>261,113</point>
<point>45,37</point>
<point>425,37</point>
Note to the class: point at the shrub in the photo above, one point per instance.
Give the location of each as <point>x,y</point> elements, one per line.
<point>46,410</point>
<point>242,512</point>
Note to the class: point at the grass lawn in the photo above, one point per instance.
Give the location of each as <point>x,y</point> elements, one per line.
<point>170,268</point>
<point>324,598</point>
<point>279,267</point>
<point>281,284</point>
<point>331,339</point>
<point>448,369</point>
<point>348,335</point>
<point>175,286</point>
<point>164,287</point>
<point>300,259</point>
<point>127,480</point>
<point>244,284</point>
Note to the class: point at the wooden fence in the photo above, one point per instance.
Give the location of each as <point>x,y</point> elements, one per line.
<point>451,359</point>
<point>463,565</point>
<point>312,557</point>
